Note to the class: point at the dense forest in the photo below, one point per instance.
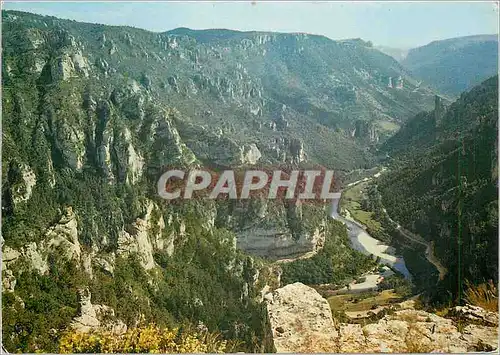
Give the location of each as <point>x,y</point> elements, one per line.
<point>443,185</point>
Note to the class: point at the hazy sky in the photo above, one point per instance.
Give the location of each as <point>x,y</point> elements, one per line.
<point>396,24</point>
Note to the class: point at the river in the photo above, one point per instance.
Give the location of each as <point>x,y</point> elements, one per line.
<point>366,244</point>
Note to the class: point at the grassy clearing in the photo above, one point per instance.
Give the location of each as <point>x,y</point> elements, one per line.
<point>351,201</point>
<point>363,301</point>
<point>387,125</point>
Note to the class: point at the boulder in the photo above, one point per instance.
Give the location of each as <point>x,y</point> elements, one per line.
<point>476,314</point>
<point>300,320</point>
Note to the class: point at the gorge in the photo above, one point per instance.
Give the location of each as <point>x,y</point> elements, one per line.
<point>94,115</point>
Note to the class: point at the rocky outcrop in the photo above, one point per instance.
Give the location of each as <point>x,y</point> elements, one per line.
<point>168,147</point>
<point>8,281</point>
<point>250,154</point>
<point>60,239</point>
<point>69,140</point>
<point>22,190</point>
<point>282,234</point>
<point>285,149</point>
<point>137,238</point>
<point>276,243</point>
<point>93,317</point>
<point>296,312</point>
<point>301,320</point>
<point>69,65</point>
<point>129,162</point>
<point>439,110</point>
<point>63,237</point>
<point>476,314</point>
<point>35,257</point>
<point>366,131</point>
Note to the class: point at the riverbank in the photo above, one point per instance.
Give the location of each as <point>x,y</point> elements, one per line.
<point>365,243</point>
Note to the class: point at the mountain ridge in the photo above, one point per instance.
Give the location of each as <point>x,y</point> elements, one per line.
<point>239,81</point>
<point>456,64</point>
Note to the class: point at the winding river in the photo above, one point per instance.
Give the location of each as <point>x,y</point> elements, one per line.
<point>366,244</point>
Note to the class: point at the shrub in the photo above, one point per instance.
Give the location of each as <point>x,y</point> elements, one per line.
<point>150,339</point>
<point>484,295</point>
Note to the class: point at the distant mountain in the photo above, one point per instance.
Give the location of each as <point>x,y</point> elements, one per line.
<point>397,53</point>
<point>444,183</point>
<point>257,87</point>
<point>455,65</point>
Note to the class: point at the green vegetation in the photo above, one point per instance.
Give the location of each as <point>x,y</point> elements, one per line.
<point>150,339</point>
<point>93,114</point>
<point>49,303</point>
<point>359,174</point>
<point>455,65</point>
<point>400,285</point>
<point>443,186</point>
<point>353,200</point>
<point>363,301</point>
<point>336,263</point>
<point>185,293</point>
<point>363,203</point>
<point>216,80</point>
<point>388,126</point>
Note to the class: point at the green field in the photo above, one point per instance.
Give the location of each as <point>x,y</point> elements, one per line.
<point>362,302</point>
<point>351,201</point>
<point>387,125</point>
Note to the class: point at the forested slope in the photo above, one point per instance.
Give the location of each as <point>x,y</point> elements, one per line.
<point>444,183</point>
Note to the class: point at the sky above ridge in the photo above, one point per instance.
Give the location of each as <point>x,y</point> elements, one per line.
<point>394,24</point>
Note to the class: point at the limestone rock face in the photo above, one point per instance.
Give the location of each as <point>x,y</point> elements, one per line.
<point>64,236</point>
<point>60,239</point>
<point>413,331</point>
<point>296,147</point>
<point>366,131</point>
<point>136,239</point>
<point>93,316</point>
<point>8,281</point>
<point>300,320</point>
<point>287,150</point>
<point>477,314</point>
<point>282,234</point>
<point>129,161</point>
<point>168,147</point>
<point>484,338</point>
<point>36,258</point>
<point>250,154</point>
<point>69,65</point>
<point>22,191</point>
<point>69,141</point>
<point>9,254</point>
<point>274,242</point>
<point>117,157</point>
